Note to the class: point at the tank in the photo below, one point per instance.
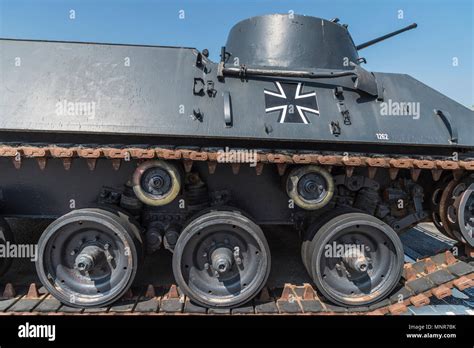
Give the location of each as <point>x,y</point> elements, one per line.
<point>133,148</point>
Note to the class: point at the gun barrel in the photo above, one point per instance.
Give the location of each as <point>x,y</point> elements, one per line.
<point>386,36</point>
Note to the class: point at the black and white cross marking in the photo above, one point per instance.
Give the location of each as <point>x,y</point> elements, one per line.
<point>292,105</point>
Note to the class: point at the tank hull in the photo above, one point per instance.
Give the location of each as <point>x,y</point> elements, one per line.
<point>150,92</point>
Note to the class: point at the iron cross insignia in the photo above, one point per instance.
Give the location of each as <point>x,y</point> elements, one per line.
<point>293,106</point>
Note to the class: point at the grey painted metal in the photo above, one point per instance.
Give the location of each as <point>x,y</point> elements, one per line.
<point>50,192</point>
<point>153,95</point>
<point>291,41</point>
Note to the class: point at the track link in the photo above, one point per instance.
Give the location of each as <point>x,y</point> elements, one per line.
<point>433,276</point>
<point>281,158</point>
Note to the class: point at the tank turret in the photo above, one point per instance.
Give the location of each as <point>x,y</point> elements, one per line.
<point>285,41</point>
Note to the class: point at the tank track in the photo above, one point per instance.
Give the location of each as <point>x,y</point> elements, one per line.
<point>281,158</point>
<point>433,276</point>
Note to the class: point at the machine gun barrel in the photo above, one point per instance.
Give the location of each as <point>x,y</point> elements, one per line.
<point>386,36</point>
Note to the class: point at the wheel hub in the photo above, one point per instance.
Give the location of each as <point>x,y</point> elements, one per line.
<point>91,257</point>
<point>356,260</point>
<point>312,187</point>
<point>156,181</point>
<point>222,259</point>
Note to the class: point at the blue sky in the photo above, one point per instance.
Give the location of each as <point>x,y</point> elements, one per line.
<point>445,31</point>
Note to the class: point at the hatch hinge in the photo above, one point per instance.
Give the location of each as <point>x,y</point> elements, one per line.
<point>199,62</point>
<point>339,95</point>
<point>210,90</point>
<point>335,128</point>
<point>198,87</point>
<point>197,115</point>
<point>345,113</point>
